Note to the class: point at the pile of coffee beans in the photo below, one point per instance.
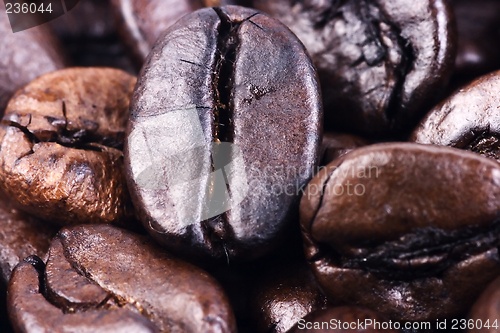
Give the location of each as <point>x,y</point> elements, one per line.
<point>251,166</point>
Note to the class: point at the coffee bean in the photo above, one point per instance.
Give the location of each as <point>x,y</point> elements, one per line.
<point>381,63</point>
<point>24,56</point>
<point>331,320</point>
<point>103,268</point>
<point>469,119</point>
<point>61,140</point>
<point>282,296</point>
<point>410,230</point>
<point>29,311</point>
<point>335,145</point>
<point>485,313</point>
<point>142,22</point>
<point>477,55</point>
<point>21,235</point>
<point>224,131</point>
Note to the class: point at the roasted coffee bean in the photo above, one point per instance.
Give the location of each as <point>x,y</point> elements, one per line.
<point>478,27</point>
<point>381,63</point>
<point>21,235</point>
<point>282,296</point>
<point>141,22</point>
<point>409,230</point>
<point>335,145</point>
<point>485,313</point>
<point>29,311</point>
<point>469,119</point>
<point>334,320</point>
<point>24,56</point>
<point>227,99</point>
<point>103,268</point>
<point>61,139</point>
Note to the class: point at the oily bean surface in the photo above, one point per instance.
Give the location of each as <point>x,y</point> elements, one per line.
<point>469,119</point>
<point>29,310</point>
<point>381,63</point>
<point>61,139</point>
<point>105,269</point>
<point>228,92</point>
<point>282,296</point>
<point>412,234</point>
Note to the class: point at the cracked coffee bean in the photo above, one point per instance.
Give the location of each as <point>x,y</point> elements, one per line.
<point>409,230</point>
<point>321,321</point>
<point>469,119</point>
<point>29,311</point>
<point>104,269</point>
<point>381,63</point>
<point>486,310</point>
<point>61,144</point>
<point>478,26</point>
<point>335,145</point>
<point>142,22</point>
<point>227,99</point>
<point>282,296</point>
<point>24,56</point>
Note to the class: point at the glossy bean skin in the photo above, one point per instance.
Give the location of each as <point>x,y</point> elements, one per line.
<point>61,146</point>
<point>240,94</point>
<point>468,119</point>
<point>282,296</point>
<point>123,276</point>
<point>390,226</point>
<point>381,63</point>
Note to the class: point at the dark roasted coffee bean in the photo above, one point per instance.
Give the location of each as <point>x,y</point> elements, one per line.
<point>103,268</point>
<point>335,145</point>
<point>343,319</point>
<point>141,22</point>
<point>61,139</point>
<point>469,119</point>
<point>29,311</point>
<point>478,27</point>
<point>409,230</point>
<point>381,63</point>
<point>485,313</point>
<point>20,236</point>
<point>224,131</point>
<point>282,296</point>
<point>24,56</point>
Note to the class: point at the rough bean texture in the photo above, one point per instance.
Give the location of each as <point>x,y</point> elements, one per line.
<point>381,63</point>
<point>61,139</point>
